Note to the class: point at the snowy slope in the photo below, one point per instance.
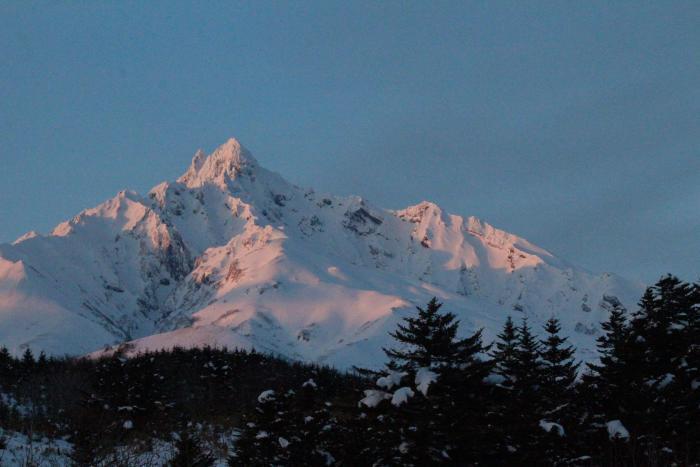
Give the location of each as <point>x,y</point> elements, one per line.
<point>232,254</point>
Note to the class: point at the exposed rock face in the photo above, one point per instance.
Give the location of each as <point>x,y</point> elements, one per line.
<point>232,254</point>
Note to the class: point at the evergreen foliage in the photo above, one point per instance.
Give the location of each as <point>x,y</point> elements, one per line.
<point>433,381</point>
<point>520,408</point>
<point>190,452</point>
<point>557,394</point>
<point>429,339</point>
<point>441,399</point>
<point>506,353</point>
<point>292,428</point>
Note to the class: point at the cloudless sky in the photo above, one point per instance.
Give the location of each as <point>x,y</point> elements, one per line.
<point>573,124</point>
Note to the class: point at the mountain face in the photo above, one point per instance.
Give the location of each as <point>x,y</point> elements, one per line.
<point>232,254</point>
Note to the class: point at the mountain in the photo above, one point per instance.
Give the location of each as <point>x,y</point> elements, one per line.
<point>232,254</point>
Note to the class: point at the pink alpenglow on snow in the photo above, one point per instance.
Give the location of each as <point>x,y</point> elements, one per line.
<point>231,254</point>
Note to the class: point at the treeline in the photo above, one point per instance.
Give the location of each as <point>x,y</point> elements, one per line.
<point>106,403</point>
<point>441,399</point>
<point>521,401</point>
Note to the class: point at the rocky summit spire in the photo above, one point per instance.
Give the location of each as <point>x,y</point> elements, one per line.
<point>229,160</point>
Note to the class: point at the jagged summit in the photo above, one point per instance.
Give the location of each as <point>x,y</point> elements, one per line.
<point>227,162</point>
<point>232,254</point>
<point>26,236</point>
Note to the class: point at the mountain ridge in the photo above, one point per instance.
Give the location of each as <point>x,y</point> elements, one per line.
<point>232,254</point>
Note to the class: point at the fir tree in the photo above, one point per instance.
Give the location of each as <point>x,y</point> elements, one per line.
<point>259,440</point>
<point>559,369</point>
<point>316,432</point>
<point>656,347</point>
<point>42,362</point>
<point>371,437</point>
<point>6,366</point>
<point>528,366</point>
<point>519,409</point>
<point>609,376</point>
<point>528,380</point>
<point>466,396</point>
<point>190,452</point>
<point>505,354</point>
<point>689,403</point>
<point>442,376</point>
<point>28,361</point>
<point>293,428</point>
<point>429,339</point>
<point>506,417</point>
<point>559,372</point>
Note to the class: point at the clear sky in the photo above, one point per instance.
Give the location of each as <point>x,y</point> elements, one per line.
<point>573,124</point>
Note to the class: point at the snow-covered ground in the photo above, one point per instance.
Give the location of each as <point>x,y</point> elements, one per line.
<point>19,450</point>
<point>232,254</point>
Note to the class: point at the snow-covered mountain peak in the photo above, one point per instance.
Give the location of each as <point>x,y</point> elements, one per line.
<point>420,212</point>
<point>232,254</point>
<point>29,235</point>
<point>227,162</point>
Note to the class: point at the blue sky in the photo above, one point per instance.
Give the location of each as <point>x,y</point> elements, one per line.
<point>573,124</point>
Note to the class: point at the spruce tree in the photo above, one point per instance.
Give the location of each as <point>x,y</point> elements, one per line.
<point>528,365</point>
<point>429,339</point>
<point>505,354</point>
<point>526,393</point>
<point>559,372</point>
<point>559,369</point>
<point>506,416</point>
<point>468,397</point>
<point>291,428</point>
<point>28,363</point>
<point>107,414</point>
<point>520,408</point>
<point>689,404</point>
<point>264,435</point>
<point>6,367</point>
<point>658,348</point>
<point>608,378</point>
<point>442,377</point>
<point>372,436</point>
<point>676,381</point>
<point>314,432</point>
<point>643,376</point>
<point>189,452</point>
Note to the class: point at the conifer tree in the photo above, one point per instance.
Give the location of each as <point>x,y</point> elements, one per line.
<point>519,410</point>
<point>28,361</point>
<point>528,381</point>
<point>430,338</point>
<point>689,403</point>
<point>264,435</point>
<point>371,437</point>
<point>291,428</point>
<point>609,377</point>
<point>660,322</point>
<point>99,422</point>
<point>559,372</point>
<point>643,374</point>
<point>673,366</point>
<point>42,361</point>
<point>528,366</point>
<point>6,366</point>
<point>467,396</point>
<point>436,379</point>
<point>505,354</point>
<point>505,358</point>
<point>657,346</point>
<point>314,434</point>
<point>190,453</point>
